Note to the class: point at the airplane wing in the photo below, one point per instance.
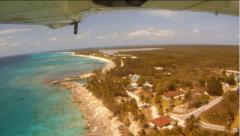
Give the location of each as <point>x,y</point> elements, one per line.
<point>57,14</point>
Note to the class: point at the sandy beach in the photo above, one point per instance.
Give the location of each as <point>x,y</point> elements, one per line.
<point>99,120</point>
<point>109,63</point>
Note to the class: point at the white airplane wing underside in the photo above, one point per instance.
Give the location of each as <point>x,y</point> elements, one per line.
<point>57,14</point>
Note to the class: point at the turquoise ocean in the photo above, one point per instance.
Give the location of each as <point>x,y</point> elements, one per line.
<point>29,106</point>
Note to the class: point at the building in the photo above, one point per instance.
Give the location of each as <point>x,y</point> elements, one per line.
<point>134,85</point>
<point>158,68</point>
<point>147,85</point>
<point>134,77</point>
<point>226,86</point>
<point>173,94</point>
<point>160,122</point>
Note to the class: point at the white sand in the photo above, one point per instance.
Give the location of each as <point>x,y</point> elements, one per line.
<point>109,63</point>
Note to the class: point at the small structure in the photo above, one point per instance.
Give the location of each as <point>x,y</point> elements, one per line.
<point>173,94</point>
<point>134,85</point>
<point>160,122</point>
<point>158,68</point>
<point>235,73</point>
<point>197,91</point>
<point>167,73</point>
<point>147,85</point>
<point>134,77</point>
<point>226,86</point>
<point>134,57</point>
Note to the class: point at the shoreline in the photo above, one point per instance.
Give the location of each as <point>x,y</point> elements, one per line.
<point>109,63</point>
<point>99,120</point>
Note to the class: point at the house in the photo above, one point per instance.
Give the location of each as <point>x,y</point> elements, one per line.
<point>173,94</point>
<point>134,85</point>
<point>134,77</point>
<point>160,122</point>
<point>134,57</point>
<point>226,86</point>
<point>229,72</point>
<point>167,73</point>
<point>159,68</point>
<point>147,85</point>
<point>198,91</point>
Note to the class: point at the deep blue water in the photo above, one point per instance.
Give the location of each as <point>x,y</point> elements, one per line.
<point>28,106</point>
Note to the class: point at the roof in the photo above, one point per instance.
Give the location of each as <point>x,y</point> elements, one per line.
<point>134,84</point>
<point>173,93</point>
<point>147,84</point>
<point>161,121</point>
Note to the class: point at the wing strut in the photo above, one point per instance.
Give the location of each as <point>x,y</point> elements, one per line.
<point>75,27</point>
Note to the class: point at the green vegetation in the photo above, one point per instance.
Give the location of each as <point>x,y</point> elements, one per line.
<point>188,67</point>
<point>192,129</point>
<point>224,112</point>
<point>230,80</point>
<point>198,100</point>
<point>214,87</point>
<point>184,66</point>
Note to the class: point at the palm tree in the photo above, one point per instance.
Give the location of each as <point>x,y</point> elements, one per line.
<point>230,120</point>
<point>192,125</point>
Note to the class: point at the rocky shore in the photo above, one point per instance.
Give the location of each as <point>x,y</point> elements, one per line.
<point>99,120</point>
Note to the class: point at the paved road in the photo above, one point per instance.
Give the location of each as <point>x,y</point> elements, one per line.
<point>198,111</point>
<point>140,104</point>
<point>182,117</point>
<point>216,127</point>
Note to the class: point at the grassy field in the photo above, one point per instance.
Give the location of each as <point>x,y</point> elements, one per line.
<point>220,113</point>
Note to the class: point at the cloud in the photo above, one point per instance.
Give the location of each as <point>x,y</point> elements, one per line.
<point>108,36</point>
<point>11,31</point>
<point>53,39</point>
<point>196,30</point>
<point>102,37</point>
<point>161,13</point>
<point>6,43</point>
<point>83,35</point>
<point>3,42</point>
<point>151,32</point>
<point>14,44</point>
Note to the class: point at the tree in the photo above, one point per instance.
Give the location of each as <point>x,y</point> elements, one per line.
<point>188,95</point>
<point>201,82</point>
<point>230,80</point>
<point>158,97</point>
<point>158,88</point>
<point>214,87</point>
<point>199,100</point>
<point>192,125</point>
<point>141,81</point>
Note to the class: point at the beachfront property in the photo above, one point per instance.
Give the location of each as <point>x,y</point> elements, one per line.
<point>173,94</point>
<point>161,122</point>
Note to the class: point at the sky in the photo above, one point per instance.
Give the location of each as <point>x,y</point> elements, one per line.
<point>123,28</point>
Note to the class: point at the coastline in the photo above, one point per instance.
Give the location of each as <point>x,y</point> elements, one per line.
<point>109,63</point>
<point>99,120</point>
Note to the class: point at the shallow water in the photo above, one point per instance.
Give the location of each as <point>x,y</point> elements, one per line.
<point>29,107</point>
